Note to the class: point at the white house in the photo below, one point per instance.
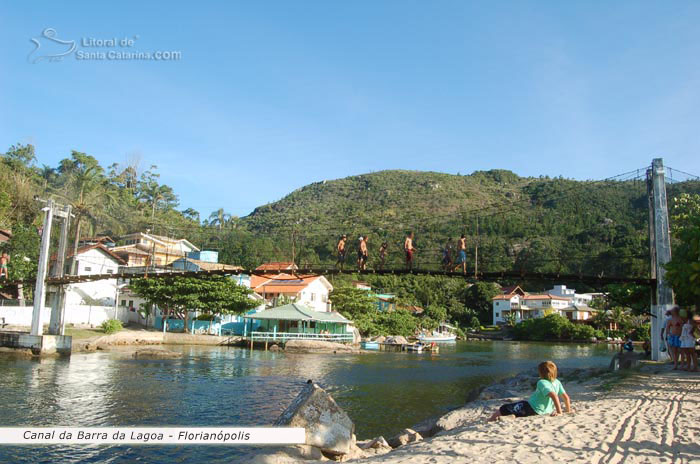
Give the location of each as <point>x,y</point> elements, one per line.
<point>310,291</point>
<point>576,298</point>
<point>94,260</point>
<point>565,302</point>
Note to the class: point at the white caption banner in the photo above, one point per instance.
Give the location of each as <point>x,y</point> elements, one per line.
<point>152,435</point>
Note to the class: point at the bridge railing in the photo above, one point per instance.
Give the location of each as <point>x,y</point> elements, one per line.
<point>286,336</point>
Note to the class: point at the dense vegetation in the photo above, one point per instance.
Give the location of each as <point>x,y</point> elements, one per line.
<point>524,224</point>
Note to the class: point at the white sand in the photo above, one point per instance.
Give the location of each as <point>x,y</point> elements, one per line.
<point>648,417</point>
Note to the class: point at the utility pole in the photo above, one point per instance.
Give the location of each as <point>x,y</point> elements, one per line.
<point>660,244</point>
<point>40,288</point>
<point>58,310</point>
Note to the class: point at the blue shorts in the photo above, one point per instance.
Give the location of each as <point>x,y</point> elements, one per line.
<point>674,341</point>
<point>462,257</point>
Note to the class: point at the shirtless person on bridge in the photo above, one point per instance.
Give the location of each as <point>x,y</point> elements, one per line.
<point>340,248</point>
<point>462,254</point>
<point>409,249</point>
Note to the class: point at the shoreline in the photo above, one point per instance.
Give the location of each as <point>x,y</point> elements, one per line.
<point>634,415</point>
<point>631,416</point>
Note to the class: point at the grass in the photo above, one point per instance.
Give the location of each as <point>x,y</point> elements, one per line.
<point>78,333</point>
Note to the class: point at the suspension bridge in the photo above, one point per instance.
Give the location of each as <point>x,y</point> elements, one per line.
<point>656,178</point>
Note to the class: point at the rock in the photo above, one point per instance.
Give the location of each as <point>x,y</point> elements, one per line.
<point>469,414</point>
<point>428,427</point>
<point>396,340</point>
<point>378,442</point>
<point>328,427</point>
<point>289,455</point>
<point>404,437</point>
<point>356,337</point>
<point>156,353</point>
<point>314,346</point>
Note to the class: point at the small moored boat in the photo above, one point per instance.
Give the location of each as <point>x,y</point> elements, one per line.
<point>443,334</point>
<point>370,345</point>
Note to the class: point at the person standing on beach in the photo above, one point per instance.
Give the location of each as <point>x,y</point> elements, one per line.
<point>544,400</point>
<point>664,333</point>
<point>4,260</point>
<point>674,327</point>
<point>687,339</point>
<point>462,254</point>
<point>340,248</point>
<point>382,254</point>
<point>409,249</point>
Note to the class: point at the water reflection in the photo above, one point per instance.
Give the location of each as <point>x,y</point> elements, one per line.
<point>382,392</point>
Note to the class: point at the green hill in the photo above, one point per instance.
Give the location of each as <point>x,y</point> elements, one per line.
<point>537,224</point>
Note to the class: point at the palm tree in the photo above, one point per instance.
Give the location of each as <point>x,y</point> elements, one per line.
<point>219,217</point>
<point>86,190</point>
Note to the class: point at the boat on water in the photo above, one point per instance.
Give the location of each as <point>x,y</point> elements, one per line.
<point>443,334</point>
<point>415,347</point>
<point>370,345</point>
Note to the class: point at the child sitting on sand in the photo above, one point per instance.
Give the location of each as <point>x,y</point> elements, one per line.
<point>545,399</point>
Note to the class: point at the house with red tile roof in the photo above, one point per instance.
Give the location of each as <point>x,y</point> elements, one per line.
<point>312,291</point>
<point>526,305</point>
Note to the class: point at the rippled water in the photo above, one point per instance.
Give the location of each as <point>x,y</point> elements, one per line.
<point>212,386</point>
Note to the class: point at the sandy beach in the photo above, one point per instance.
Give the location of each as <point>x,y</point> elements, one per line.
<point>646,416</point>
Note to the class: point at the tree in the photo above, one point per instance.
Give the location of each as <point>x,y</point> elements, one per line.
<point>352,302</point>
<point>178,295</point>
<point>158,196</point>
<point>219,218</point>
<point>684,268</point>
<point>19,157</point>
<point>479,297</point>
<point>436,313</point>
<point>191,214</point>
<point>86,188</point>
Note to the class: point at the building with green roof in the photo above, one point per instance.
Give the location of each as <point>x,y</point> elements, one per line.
<point>298,322</point>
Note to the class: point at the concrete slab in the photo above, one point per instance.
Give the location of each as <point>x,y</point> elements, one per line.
<point>38,344</point>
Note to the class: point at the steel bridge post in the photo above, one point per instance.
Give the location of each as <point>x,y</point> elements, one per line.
<point>660,244</point>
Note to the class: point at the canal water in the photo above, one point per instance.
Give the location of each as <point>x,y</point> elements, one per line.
<point>221,386</point>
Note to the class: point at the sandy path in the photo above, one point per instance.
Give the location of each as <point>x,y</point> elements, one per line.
<point>646,418</point>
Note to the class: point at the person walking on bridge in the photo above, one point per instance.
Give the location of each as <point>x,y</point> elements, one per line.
<point>410,250</point>
<point>362,253</point>
<point>341,249</point>
<point>382,254</point>
<point>462,254</point>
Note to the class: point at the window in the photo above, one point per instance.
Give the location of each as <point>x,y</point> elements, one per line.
<point>131,303</point>
<point>498,315</point>
<point>88,268</point>
<point>110,271</point>
<point>123,303</point>
<point>313,297</point>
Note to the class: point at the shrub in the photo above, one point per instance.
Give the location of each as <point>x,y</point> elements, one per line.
<point>642,333</point>
<point>111,326</point>
<point>553,327</point>
<point>582,332</point>
<point>475,324</point>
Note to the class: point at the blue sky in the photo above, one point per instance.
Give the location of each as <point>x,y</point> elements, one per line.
<point>270,96</point>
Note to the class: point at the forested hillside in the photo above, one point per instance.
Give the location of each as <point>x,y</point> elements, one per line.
<point>530,224</point>
<point>541,224</point>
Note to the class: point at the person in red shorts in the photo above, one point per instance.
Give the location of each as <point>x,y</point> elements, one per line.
<point>410,250</point>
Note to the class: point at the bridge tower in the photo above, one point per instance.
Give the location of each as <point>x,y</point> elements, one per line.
<point>660,251</point>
